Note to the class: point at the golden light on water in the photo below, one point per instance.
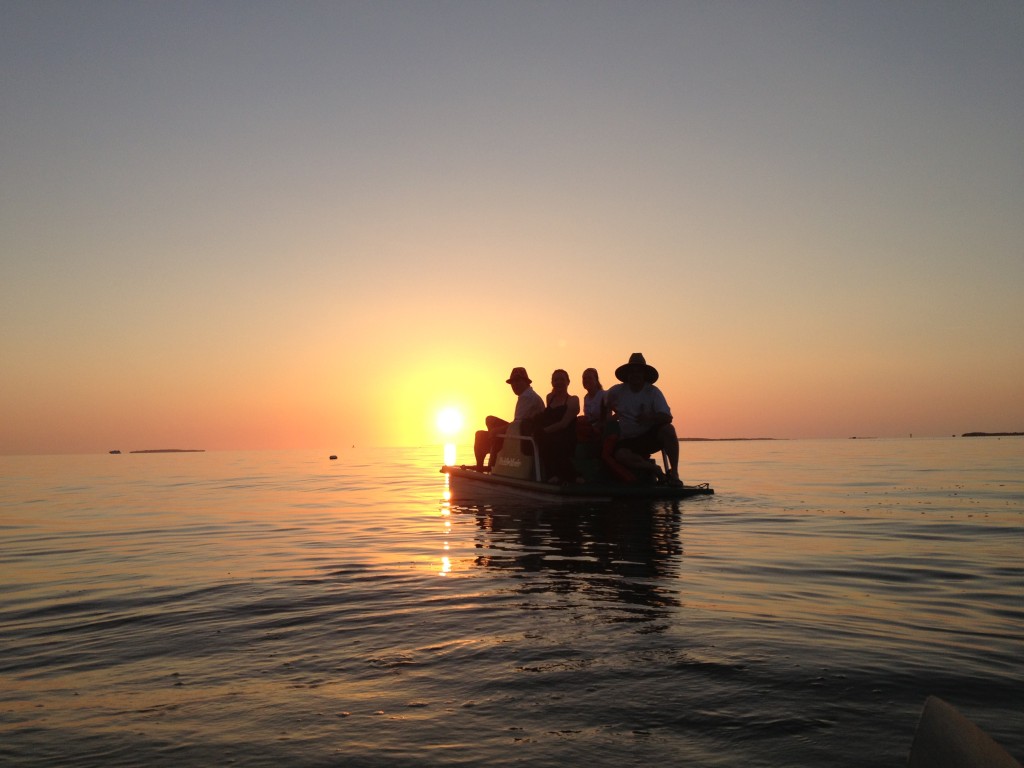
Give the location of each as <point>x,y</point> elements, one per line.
<point>446,511</point>
<point>449,455</point>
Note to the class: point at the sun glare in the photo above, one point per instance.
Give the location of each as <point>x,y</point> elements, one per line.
<point>449,421</point>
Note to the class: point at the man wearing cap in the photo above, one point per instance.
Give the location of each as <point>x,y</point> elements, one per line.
<point>645,420</point>
<point>529,405</point>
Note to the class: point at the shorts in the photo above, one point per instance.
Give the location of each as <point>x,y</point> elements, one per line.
<point>644,444</point>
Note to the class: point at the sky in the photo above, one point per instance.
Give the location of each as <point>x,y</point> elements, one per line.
<point>274,225</point>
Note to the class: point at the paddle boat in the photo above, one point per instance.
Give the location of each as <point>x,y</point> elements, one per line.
<point>517,473</point>
<point>946,739</point>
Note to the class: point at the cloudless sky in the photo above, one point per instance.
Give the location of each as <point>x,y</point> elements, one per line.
<point>314,224</point>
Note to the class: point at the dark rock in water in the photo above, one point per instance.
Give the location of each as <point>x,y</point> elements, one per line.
<point>112,452</point>
<point>334,458</point>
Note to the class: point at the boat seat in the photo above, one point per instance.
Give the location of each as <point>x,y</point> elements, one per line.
<point>517,457</point>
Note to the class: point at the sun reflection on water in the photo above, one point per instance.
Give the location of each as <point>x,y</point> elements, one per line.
<point>446,510</point>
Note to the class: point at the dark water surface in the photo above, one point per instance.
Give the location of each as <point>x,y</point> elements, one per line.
<point>283,609</point>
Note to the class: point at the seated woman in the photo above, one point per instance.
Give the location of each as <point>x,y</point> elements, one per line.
<point>595,412</point>
<point>554,430</point>
<point>590,430</point>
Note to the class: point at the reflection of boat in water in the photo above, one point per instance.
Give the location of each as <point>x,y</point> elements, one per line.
<point>620,558</point>
<point>634,538</point>
<point>516,472</point>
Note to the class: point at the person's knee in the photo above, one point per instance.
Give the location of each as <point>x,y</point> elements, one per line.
<point>627,456</point>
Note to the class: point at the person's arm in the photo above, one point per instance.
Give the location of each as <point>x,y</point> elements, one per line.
<point>572,410</point>
<point>538,407</point>
<point>528,407</point>
<point>656,419</point>
<point>610,404</point>
<point>660,414</point>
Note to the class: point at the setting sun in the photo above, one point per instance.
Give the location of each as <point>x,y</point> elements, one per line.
<point>449,421</point>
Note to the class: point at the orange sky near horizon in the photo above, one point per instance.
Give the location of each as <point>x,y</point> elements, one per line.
<point>244,226</point>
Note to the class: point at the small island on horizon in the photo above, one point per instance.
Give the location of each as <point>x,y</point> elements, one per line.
<point>992,434</point>
<point>171,450</point>
<point>721,439</point>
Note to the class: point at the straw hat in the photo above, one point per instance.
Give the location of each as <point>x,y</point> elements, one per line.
<point>636,360</point>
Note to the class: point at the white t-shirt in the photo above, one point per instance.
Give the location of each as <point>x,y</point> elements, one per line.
<point>629,405</point>
<point>592,406</point>
<point>529,404</point>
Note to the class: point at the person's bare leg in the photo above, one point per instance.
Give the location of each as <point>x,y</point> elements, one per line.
<point>481,446</point>
<point>486,440</point>
<point>670,444</point>
<point>632,460</point>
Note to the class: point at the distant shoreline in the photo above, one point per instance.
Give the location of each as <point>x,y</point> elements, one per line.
<point>722,439</point>
<point>855,437</point>
<point>171,450</point>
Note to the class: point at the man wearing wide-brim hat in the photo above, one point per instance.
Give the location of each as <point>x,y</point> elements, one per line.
<point>644,418</point>
<point>529,405</point>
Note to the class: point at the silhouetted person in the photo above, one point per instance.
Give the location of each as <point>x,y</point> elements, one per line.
<point>528,406</point>
<point>645,420</point>
<point>555,430</point>
<point>595,409</point>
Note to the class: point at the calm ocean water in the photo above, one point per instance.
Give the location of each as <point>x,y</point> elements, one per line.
<point>282,609</point>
